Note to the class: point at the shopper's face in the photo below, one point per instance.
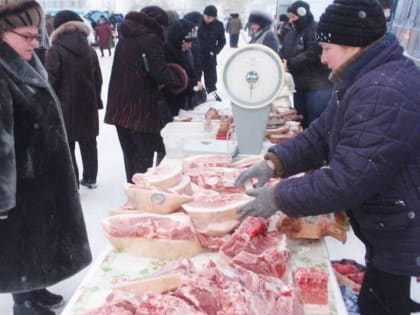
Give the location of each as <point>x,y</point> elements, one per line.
<point>254,27</point>
<point>186,45</point>
<point>292,17</point>
<point>23,40</point>
<point>208,19</point>
<point>334,56</point>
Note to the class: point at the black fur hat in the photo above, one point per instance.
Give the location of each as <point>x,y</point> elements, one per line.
<point>66,16</point>
<point>157,13</point>
<point>18,13</point>
<point>260,18</point>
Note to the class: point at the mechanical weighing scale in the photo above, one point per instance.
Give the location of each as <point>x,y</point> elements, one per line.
<point>252,76</point>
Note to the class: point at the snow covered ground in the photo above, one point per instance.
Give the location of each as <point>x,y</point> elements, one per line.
<point>109,195</point>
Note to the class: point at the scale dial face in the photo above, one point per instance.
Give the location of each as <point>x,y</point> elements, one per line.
<point>253,76</point>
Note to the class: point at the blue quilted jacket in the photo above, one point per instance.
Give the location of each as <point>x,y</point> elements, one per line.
<point>368,139</point>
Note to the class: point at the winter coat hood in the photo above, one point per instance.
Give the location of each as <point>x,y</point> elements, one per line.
<point>137,23</point>
<point>260,18</point>
<point>72,36</point>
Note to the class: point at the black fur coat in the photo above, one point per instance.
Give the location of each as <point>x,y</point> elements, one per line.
<point>44,239</point>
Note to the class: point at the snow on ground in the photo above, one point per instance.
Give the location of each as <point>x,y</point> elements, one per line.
<point>109,194</point>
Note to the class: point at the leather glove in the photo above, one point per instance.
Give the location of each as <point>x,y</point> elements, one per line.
<point>261,171</point>
<point>264,205</point>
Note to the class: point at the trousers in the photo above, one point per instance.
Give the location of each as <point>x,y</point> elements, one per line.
<point>138,149</point>
<point>89,154</point>
<point>385,294</point>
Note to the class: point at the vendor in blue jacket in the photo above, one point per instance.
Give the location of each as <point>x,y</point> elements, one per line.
<point>365,153</point>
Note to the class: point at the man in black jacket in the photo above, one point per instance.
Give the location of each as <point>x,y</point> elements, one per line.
<point>301,54</point>
<point>212,39</point>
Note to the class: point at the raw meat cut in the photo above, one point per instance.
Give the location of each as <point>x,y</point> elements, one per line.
<point>312,227</point>
<point>213,242</point>
<point>155,200</point>
<point>205,161</point>
<point>254,248</point>
<point>166,279</point>
<point>221,179</point>
<point>165,304</point>
<point>118,303</point>
<point>160,177</point>
<point>215,214</point>
<point>312,285</point>
<point>247,161</point>
<point>167,236</point>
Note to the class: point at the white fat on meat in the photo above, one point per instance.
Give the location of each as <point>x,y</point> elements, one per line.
<point>215,214</point>
<point>155,200</point>
<point>162,177</point>
<point>205,161</point>
<point>167,236</point>
<point>166,279</point>
<point>247,161</point>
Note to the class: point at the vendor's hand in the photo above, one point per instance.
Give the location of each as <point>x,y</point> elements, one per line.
<point>264,205</point>
<point>199,86</point>
<point>262,171</point>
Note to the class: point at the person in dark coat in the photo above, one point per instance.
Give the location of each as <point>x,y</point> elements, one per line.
<point>103,32</point>
<point>283,27</point>
<point>74,73</point>
<point>195,18</point>
<point>301,54</point>
<point>369,138</point>
<point>42,232</point>
<point>261,31</point>
<point>180,36</point>
<point>211,35</point>
<point>136,105</point>
<point>234,29</point>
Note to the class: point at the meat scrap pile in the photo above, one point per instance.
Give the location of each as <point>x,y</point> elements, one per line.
<point>174,212</point>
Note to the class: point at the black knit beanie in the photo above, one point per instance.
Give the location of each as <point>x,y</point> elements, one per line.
<point>15,13</point>
<point>210,10</point>
<point>299,8</point>
<point>355,23</point>
<point>65,16</point>
<point>157,13</point>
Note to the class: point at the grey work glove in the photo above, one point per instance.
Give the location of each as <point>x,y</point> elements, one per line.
<point>264,205</point>
<point>261,171</point>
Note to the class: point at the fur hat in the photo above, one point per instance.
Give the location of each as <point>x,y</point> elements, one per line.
<point>210,10</point>
<point>179,31</point>
<point>194,17</point>
<point>299,8</point>
<point>356,23</point>
<point>19,13</point>
<point>157,13</point>
<point>66,16</point>
<point>260,18</point>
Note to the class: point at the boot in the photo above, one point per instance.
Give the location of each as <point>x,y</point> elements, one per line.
<point>46,299</point>
<point>30,308</point>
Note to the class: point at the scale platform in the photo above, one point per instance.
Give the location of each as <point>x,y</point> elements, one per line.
<point>253,77</point>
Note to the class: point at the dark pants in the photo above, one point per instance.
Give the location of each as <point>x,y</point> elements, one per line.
<point>102,51</point>
<point>385,294</point>
<point>138,149</point>
<point>311,104</point>
<point>89,153</point>
<point>233,40</point>
<point>210,74</point>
